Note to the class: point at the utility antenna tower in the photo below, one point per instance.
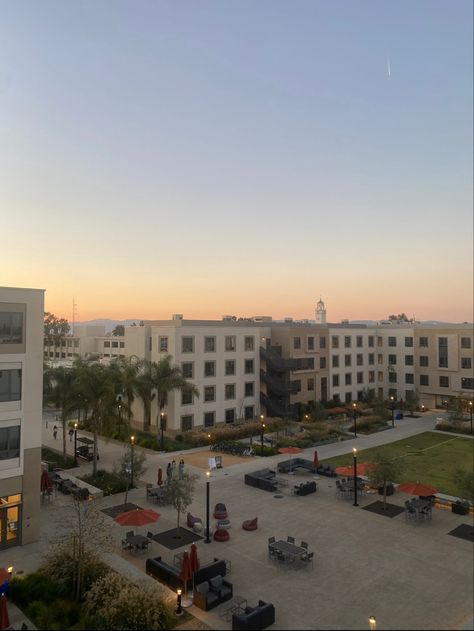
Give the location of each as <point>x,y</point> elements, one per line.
<point>74,312</point>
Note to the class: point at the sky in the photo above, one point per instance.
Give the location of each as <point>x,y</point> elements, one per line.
<point>238,157</point>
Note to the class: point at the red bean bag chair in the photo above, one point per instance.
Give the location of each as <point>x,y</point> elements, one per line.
<point>220,511</point>
<point>221,535</point>
<point>250,524</point>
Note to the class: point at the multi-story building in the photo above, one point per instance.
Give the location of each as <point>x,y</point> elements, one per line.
<point>21,386</point>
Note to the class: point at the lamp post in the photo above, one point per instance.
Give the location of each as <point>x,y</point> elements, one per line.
<point>75,444</point>
<point>372,623</point>
<point>162,429</point>
<point>470,413</point>
<point>132,448</point>
<point>119,405</point>
<point>354,451</point>
<point>354,410</point>
<point>262,430</point>
<point>178,610</point>
<point>422,409</point>
<point>392,404</point>
<point>208,475</point>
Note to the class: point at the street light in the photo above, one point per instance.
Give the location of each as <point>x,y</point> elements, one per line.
<point>119,405</point>
<point>132,442</point>
<point>392,402</point>
<point>178,610</point>
<point>354,451</point>
<point>75,444</point>
<point>354,409</point>
<point>208,475</point>
<point>470,413</point>
<point>262,430</point>
<point>162,429</point>
<point>422,409</point>
<point>372,623</point>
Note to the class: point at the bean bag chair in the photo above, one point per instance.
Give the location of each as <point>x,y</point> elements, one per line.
<point>221,535</point>
<point>220,511</point>
<point>250,524</point>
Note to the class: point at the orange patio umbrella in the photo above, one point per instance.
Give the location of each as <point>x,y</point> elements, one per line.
<point>137,517</point>
<point>361,469</point>
<point>418,488</point>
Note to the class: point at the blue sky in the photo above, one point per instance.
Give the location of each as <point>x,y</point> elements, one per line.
<point>239,156</point>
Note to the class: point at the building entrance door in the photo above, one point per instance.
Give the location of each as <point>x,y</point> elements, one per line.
<point>10,531</point>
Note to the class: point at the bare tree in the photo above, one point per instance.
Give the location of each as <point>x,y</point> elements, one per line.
<point>179,491</point>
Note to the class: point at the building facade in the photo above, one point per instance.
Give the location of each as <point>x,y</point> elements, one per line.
<point>21,391</point>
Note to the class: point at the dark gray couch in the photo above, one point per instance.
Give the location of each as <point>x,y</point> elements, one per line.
<point>259,617</point>
<point>262,479</point>
<point>305,488</point>
<point>211,593</point>
<point>308,465</point>
<point>159,569</point>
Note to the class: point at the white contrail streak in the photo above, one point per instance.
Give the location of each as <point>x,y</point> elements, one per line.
<point>388,67</point>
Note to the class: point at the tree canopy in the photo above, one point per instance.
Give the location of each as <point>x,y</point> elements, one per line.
<point>55,328</point>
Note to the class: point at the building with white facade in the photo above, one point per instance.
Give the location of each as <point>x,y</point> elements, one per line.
<point>21,391</point>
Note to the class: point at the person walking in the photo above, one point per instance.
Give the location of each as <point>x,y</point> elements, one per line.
<point>169,473</point>
<point>55,432</point>
<point>181,469</point>
<point>173,468</point>
<point>71,434</point>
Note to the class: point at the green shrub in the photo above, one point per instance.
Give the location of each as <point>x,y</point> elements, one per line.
<point>109,482</point>
<point>33,587</point>
<point>55,459</point>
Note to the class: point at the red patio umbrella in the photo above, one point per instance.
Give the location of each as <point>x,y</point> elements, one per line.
<point>4,575</point>
<point>290,450</point>
<point>45,484</point>
<point>160,476</point>
<point>193,560</point>
<point>137,517</point>
<point>418,488</point>
<point>185,574</point>
<point>361,469</point>
<point>4,619</point>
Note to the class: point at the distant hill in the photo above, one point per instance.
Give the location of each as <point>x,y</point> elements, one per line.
<point>109,324</point>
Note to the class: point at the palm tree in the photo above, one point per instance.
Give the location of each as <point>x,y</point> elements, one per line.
<point>59,391</point>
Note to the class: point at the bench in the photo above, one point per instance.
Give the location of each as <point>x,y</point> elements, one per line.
<point>93,490</point>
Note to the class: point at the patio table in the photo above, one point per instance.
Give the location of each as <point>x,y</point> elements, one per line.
<point>139,542</point>
<point>290,550</point>
<point>237,605</point>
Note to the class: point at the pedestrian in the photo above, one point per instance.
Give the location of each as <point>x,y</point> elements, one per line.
<point>71,434</point>
<point>181,469</point>
<point>173,468</point>
<point>55,431</point>
<point>169,472</point>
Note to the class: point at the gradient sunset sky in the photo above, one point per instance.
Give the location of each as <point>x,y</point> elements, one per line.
<point>238,157</point>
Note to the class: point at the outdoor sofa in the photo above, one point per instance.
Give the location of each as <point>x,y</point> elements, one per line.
<point>259,617</point>
<point>294,463</point>
<point>305,488</point>
<point>168,574</point>
<point>262,479</point>
<point>211,593</point>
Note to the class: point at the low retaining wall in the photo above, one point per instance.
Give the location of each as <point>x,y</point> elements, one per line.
<point>93,490</point>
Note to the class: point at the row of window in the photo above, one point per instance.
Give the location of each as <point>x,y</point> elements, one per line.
<point>209,418</point>
<point>210,343</point>
<point>108,344</point>
<point>230,366</point>
<point>467,383</point>
<point>392,341</point>
<point>11,327</point>
<point>230,389</point>
<point>67,343</point>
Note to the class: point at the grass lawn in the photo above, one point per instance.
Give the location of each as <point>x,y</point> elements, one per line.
<point>429,457</point>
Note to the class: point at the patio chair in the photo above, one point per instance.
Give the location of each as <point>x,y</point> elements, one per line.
<point>130,533</point>
<point>150,536</point>
<point>304,545</point>
<point>271,540</point>
<point>126,545</point>
<point>410,511</point>
<point>308,558</point>
<point>290,539</point>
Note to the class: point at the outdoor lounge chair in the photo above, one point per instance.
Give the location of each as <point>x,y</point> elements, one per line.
<point>250,524</point>
<point>220,511</point>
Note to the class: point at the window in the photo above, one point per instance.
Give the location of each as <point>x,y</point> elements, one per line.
<point>11,328</point>
<point>310,342</point>
<point>347,360</point>
<point>249,343</point>
<point>230,367</point>
<point>249,389</point>
<point>106,344</point>
<point>230,342</point>
<point>444,381</point>
<point>209,393</point>
<point>209,419</point>
<point>335,361</point>
<point>297,343</point>
<point>371,376</point>
<point>392,341</point>
<point>114,344</point>
<point>335,380</point>
<point>442,352</point>
<point>360,377</point>
<point>371,341</point>
<point>379,375</point>
<point>334,341</point>
<point>230,391</point>
<point>186,422</point>
<point>409,377</point>
<point>249,412</point>
<point>360,359</point>
<point>408,341</point>
<point>163,344</point>
<point>424,361</point>
<point>186,397</point>
<point>348,397</point>
<point>10,385</point>
<point>392,377</point>
<point>209,344</point>
<point>347,341</point>
<point>379,358</point>
<point>424,380</point>
<point>359,341</point>
<point>322,341</point>
<point>409,360</point>
<point>187,344</point>
<point>230,416</point>
<point>122,344</point>
<point>187,369</point>
<point>465,342</point>
<point>296,385</point>
<point>304,363</point>
<point>371,359</point>
<point>310,385</point>
<point>209,369</point>
<point>467,383</point>
<point>379,340</point>
<point>9,442</point>
<point>424,342</point>
<point>248,367</point>
<point>392,359</point>
<point>466,362</point>
<point>348,379</point>
<point>322,363</point>
<point>76,343</point>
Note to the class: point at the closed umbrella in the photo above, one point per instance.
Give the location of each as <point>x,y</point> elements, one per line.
<point>4,619</point>
<point>185,575</point>
<point>45,483</point>
<point>418,488</point>
<point>315,460</point>
<point>290,450</point>
<point>160,476</point>
<point>194,561</point>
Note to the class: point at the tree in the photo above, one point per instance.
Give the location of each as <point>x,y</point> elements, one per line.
<point>119,330</point>
<point>401,317</point>
<point>464,481</point>
<point>412,399</point>
<point>124,469</point>
<point>55,328</point>
<point>60,392</point>
<point>179,491</point>
<point>384,470</point>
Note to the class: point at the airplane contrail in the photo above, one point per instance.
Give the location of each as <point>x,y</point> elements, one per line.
<point>388,67</point>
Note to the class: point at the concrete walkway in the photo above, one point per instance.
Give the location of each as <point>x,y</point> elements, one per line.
<point>409,575</point>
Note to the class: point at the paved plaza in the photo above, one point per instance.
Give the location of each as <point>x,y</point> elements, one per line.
<point>409,575</point>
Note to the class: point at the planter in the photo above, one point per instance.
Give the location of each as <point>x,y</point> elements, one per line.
<point>390,490</point>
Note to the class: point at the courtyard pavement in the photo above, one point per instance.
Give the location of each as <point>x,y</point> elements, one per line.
<point>408,575</point>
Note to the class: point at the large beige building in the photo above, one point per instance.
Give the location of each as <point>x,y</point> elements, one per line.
<point>21,386</point>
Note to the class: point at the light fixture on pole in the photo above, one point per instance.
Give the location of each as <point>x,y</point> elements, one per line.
<point>75,444</point>
<point>392,405</point>
<point>422,409</point>
<point>372,623</point>
<point>178,610</point>
<point>208,475</point>
<point>119,405</point>
<point>354,409</point>
<point>470,413</point>
<point>132,443</point>
<point>354,451</point>
<point>162,429</point>
<point>262,430</point>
